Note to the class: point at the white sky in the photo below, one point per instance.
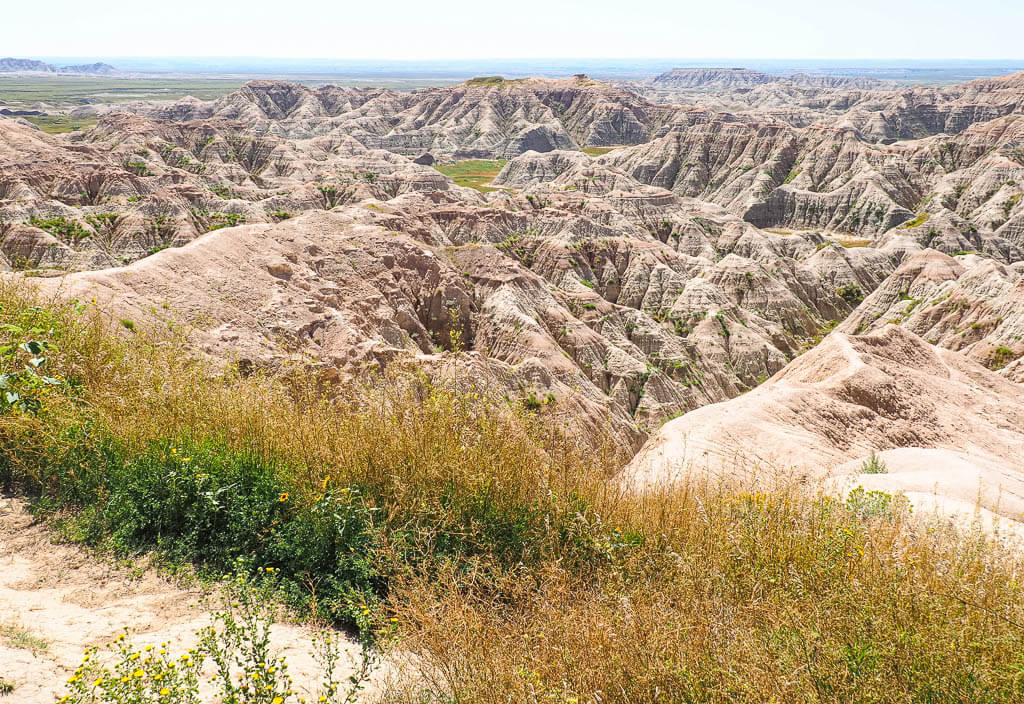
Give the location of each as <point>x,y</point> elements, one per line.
<point>464,29</point>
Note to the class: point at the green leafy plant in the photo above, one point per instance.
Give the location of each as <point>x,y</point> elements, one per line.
<point>22,383</point>
<point>138,168</point>
<point>234,657</point>
<point>63,229</point>
<point>136,676</point>
<point>874,465</point>
<point>333,196</point>
<point>1001,356</point>
<point>850,293</point>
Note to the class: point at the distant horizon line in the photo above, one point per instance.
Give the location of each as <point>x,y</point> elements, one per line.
<point>517,58</point>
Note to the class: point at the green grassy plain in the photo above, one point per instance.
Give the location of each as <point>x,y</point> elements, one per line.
<point>59,124</point>
<point>597,151</point>
<point>76,90</point>
<point>473,173</point>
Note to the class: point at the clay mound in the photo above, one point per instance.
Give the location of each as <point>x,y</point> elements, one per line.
<point>825,412</point>
<point>712,78</point>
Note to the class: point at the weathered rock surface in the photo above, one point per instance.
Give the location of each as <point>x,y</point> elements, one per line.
<point>482,118</point>
<point>949,430</point>
<point>727,79</point>
<point>968,303</point>
<point>713,247</point>
<point>131,186</point>
<point>877,111</point>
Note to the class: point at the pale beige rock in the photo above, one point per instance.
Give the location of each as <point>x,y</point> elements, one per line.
<point>821,416</point>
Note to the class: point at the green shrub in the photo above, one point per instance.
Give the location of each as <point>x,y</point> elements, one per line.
<point>919,220</point>
<point>138,168</point>
<point>234,659</point>
<point>28,338</point>
<point>65,230</point>
<point>874,465</point>
<point>1001,356</point>
<point>850,293</point>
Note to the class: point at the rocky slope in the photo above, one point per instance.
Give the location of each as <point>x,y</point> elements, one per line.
<point>10,64</point>
<point>968,303</point>
<point>822,416</point>
<point>828,173</point>
<point>830,178</point>
<point>130,186</point>
<point>683,268</point>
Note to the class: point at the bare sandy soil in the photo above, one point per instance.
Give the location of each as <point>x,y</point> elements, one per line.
<point>57,600</point>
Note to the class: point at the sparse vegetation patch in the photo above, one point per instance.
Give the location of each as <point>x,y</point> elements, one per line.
<point>473,173</point>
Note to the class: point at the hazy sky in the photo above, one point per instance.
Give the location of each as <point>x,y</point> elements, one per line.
<point>453,29</point>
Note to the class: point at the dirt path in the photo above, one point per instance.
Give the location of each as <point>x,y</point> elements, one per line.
<point>57,600</point>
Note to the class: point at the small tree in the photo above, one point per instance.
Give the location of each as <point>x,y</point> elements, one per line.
<point>333,196</point>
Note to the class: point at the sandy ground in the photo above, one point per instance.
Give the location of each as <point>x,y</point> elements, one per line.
<point>57,600</point>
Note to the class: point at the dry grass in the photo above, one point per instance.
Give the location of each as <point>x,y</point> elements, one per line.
<point>17,636</point>
<point>518,572</point>
<point>757,598</point>
<point>597,151</point>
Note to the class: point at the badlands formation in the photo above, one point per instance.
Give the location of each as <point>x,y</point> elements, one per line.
<point>801,271</point>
